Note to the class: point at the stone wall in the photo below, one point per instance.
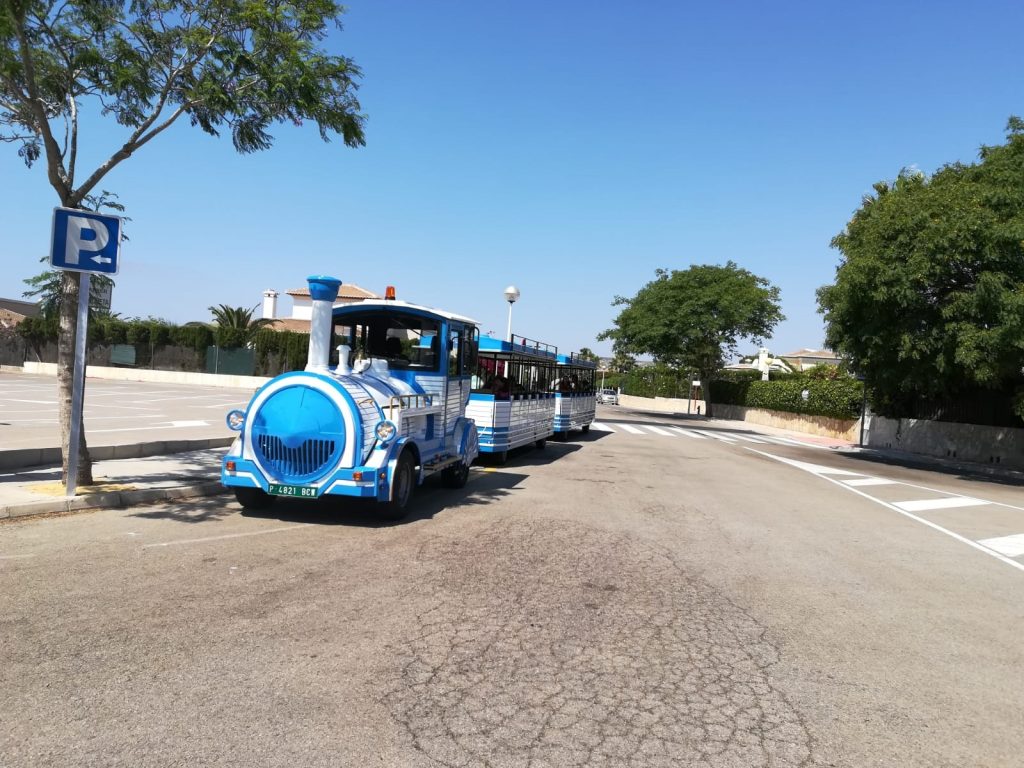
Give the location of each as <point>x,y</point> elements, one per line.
<point>997,446</point>
<point>845,429</point>
<point>663,404</point>
<point>163,377</point>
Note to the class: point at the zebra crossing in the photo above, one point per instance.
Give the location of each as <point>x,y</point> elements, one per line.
<point>664,430</point>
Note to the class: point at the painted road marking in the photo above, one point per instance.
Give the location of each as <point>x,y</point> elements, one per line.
<point>870,481</point>
<point>1011,546</point>
<point>715,435</point>
<point>658,430</point>
<point>824,472</point>
<point>923,505</point>
<point>687,433</point>
<point>225,536</point>
<point>601,427</point>
<point>190,423</point>
<point>746,438</point>
<point>628,428</point>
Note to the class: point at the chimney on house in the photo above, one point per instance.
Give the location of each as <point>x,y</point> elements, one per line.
<point>270,304</point>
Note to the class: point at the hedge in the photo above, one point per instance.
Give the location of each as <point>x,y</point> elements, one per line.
<point>838,398</point>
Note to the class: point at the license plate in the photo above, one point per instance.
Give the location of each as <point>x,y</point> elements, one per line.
<point>299,491</point>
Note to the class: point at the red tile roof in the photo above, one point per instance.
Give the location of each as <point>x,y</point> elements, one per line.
<point>346,291</point>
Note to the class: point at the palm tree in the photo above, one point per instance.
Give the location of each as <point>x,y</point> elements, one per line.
<point>238,322</point>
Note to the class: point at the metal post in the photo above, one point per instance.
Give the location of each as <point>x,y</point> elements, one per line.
<point>78,379</point>
<point>863,410</point>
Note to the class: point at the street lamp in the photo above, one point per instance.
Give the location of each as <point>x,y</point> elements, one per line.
<point>511,296</point>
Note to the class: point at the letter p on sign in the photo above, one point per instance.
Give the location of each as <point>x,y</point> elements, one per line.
<point>85,242</point>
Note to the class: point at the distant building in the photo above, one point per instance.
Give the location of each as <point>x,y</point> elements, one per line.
<point>805,359</point>
<point>12,311</point>
<point>302,306</point>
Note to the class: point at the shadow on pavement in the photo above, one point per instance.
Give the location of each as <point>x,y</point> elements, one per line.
<point>429,500</point>
<point>191,510</point>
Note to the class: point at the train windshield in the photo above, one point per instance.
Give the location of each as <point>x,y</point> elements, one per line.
<point>405,340</point>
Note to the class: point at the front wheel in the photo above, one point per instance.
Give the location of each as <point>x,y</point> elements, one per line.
<point>586,428</point>
<point>401,492</point>
<point>253,498</point>
<point>455,476</point>
<point>541,443</point>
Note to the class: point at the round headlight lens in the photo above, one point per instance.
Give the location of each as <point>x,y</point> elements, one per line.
<point>236,420</point>
<point>385,431</point>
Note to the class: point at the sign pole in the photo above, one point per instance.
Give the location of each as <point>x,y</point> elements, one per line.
<point>78,381</point>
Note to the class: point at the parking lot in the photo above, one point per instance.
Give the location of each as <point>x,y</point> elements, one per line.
<point>116,412</point>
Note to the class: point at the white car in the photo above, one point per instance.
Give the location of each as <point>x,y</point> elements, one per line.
<point>608,396</point>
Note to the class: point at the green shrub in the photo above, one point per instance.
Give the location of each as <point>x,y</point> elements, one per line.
<point>838,398</point>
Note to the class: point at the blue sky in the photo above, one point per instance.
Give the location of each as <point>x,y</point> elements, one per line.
<point>570,148</point>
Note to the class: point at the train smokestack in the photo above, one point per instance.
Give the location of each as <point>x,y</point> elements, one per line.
<point>323,290</point>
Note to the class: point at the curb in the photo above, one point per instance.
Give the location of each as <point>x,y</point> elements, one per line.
<point>111,500</point>
<point>938,463</point>
<point>23,458</point>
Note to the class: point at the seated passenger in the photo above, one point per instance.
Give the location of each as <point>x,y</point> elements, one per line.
<point>500,388</point>
<point>393,349</point>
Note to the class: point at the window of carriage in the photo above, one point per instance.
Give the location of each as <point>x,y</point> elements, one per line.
<point>404,340</point>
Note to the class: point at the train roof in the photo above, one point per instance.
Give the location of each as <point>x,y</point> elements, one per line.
<point>579,362</point>
<point>519,346</point>
<point>355,308</point>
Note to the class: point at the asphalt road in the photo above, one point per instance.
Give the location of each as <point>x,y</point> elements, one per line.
<point>625,599</point>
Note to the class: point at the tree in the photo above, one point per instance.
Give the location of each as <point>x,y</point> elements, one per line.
<point>236,326</point>
<point>928,301</point>
<point>622,362</point>
<point>239,65</point>
<point>586,353</point>
<point>693,318</point>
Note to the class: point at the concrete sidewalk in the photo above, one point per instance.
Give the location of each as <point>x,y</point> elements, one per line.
<point>119,483</point>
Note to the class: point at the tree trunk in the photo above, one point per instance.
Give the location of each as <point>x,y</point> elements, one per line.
<point>705,385</point>
<point>69,284</point>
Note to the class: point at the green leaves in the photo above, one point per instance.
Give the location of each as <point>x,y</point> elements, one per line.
<point>243,65</point>
<point>695,317</point>
<point>927,300</point>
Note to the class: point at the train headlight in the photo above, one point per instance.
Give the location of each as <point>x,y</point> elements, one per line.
<point>386,431</point>
<point>236,420</point>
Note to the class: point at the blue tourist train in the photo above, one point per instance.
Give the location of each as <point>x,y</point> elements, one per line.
<point>575,398</point>
<point>513,398</point>
<point>388,411</point>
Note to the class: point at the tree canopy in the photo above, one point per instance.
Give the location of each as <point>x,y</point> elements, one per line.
<point>694,318</point>
<point>928,300</point>
<point>138,67</point>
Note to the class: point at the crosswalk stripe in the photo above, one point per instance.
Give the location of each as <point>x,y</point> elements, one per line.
<point>658,430</point>
<point>869,481</point>
<point>922,505</point>
<point>599,427</point>
<point>687,433</point>
<point>715,435</point>
<point>628,428</point>
<point>746,438</point>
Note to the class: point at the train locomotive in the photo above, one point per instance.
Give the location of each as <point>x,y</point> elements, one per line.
<point>390,411</point>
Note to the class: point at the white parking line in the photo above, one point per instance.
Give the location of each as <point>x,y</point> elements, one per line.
<point>225,536</point>
<point>823,473</point>
<point>1011,546</point>
<point>950,502</point>
<point>870,481</point>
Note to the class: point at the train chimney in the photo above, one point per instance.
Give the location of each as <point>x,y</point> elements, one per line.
<point>323,290</point>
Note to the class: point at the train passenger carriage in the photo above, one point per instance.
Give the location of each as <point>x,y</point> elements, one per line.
<point>575,400</point>
<point>512,401</point>
<point>388,413</point>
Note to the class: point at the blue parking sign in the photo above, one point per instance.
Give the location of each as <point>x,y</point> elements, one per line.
<point>84,241</point>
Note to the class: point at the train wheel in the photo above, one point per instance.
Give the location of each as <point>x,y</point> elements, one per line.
<point>405,471</point>
<point>562,436</point>
<point>541,443</point>
<point>500,458</point>
<point>253,498</point>
<point>586,427</point>
<point>455,476</point>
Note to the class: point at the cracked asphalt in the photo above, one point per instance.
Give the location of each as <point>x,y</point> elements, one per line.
<point>605,602</point>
